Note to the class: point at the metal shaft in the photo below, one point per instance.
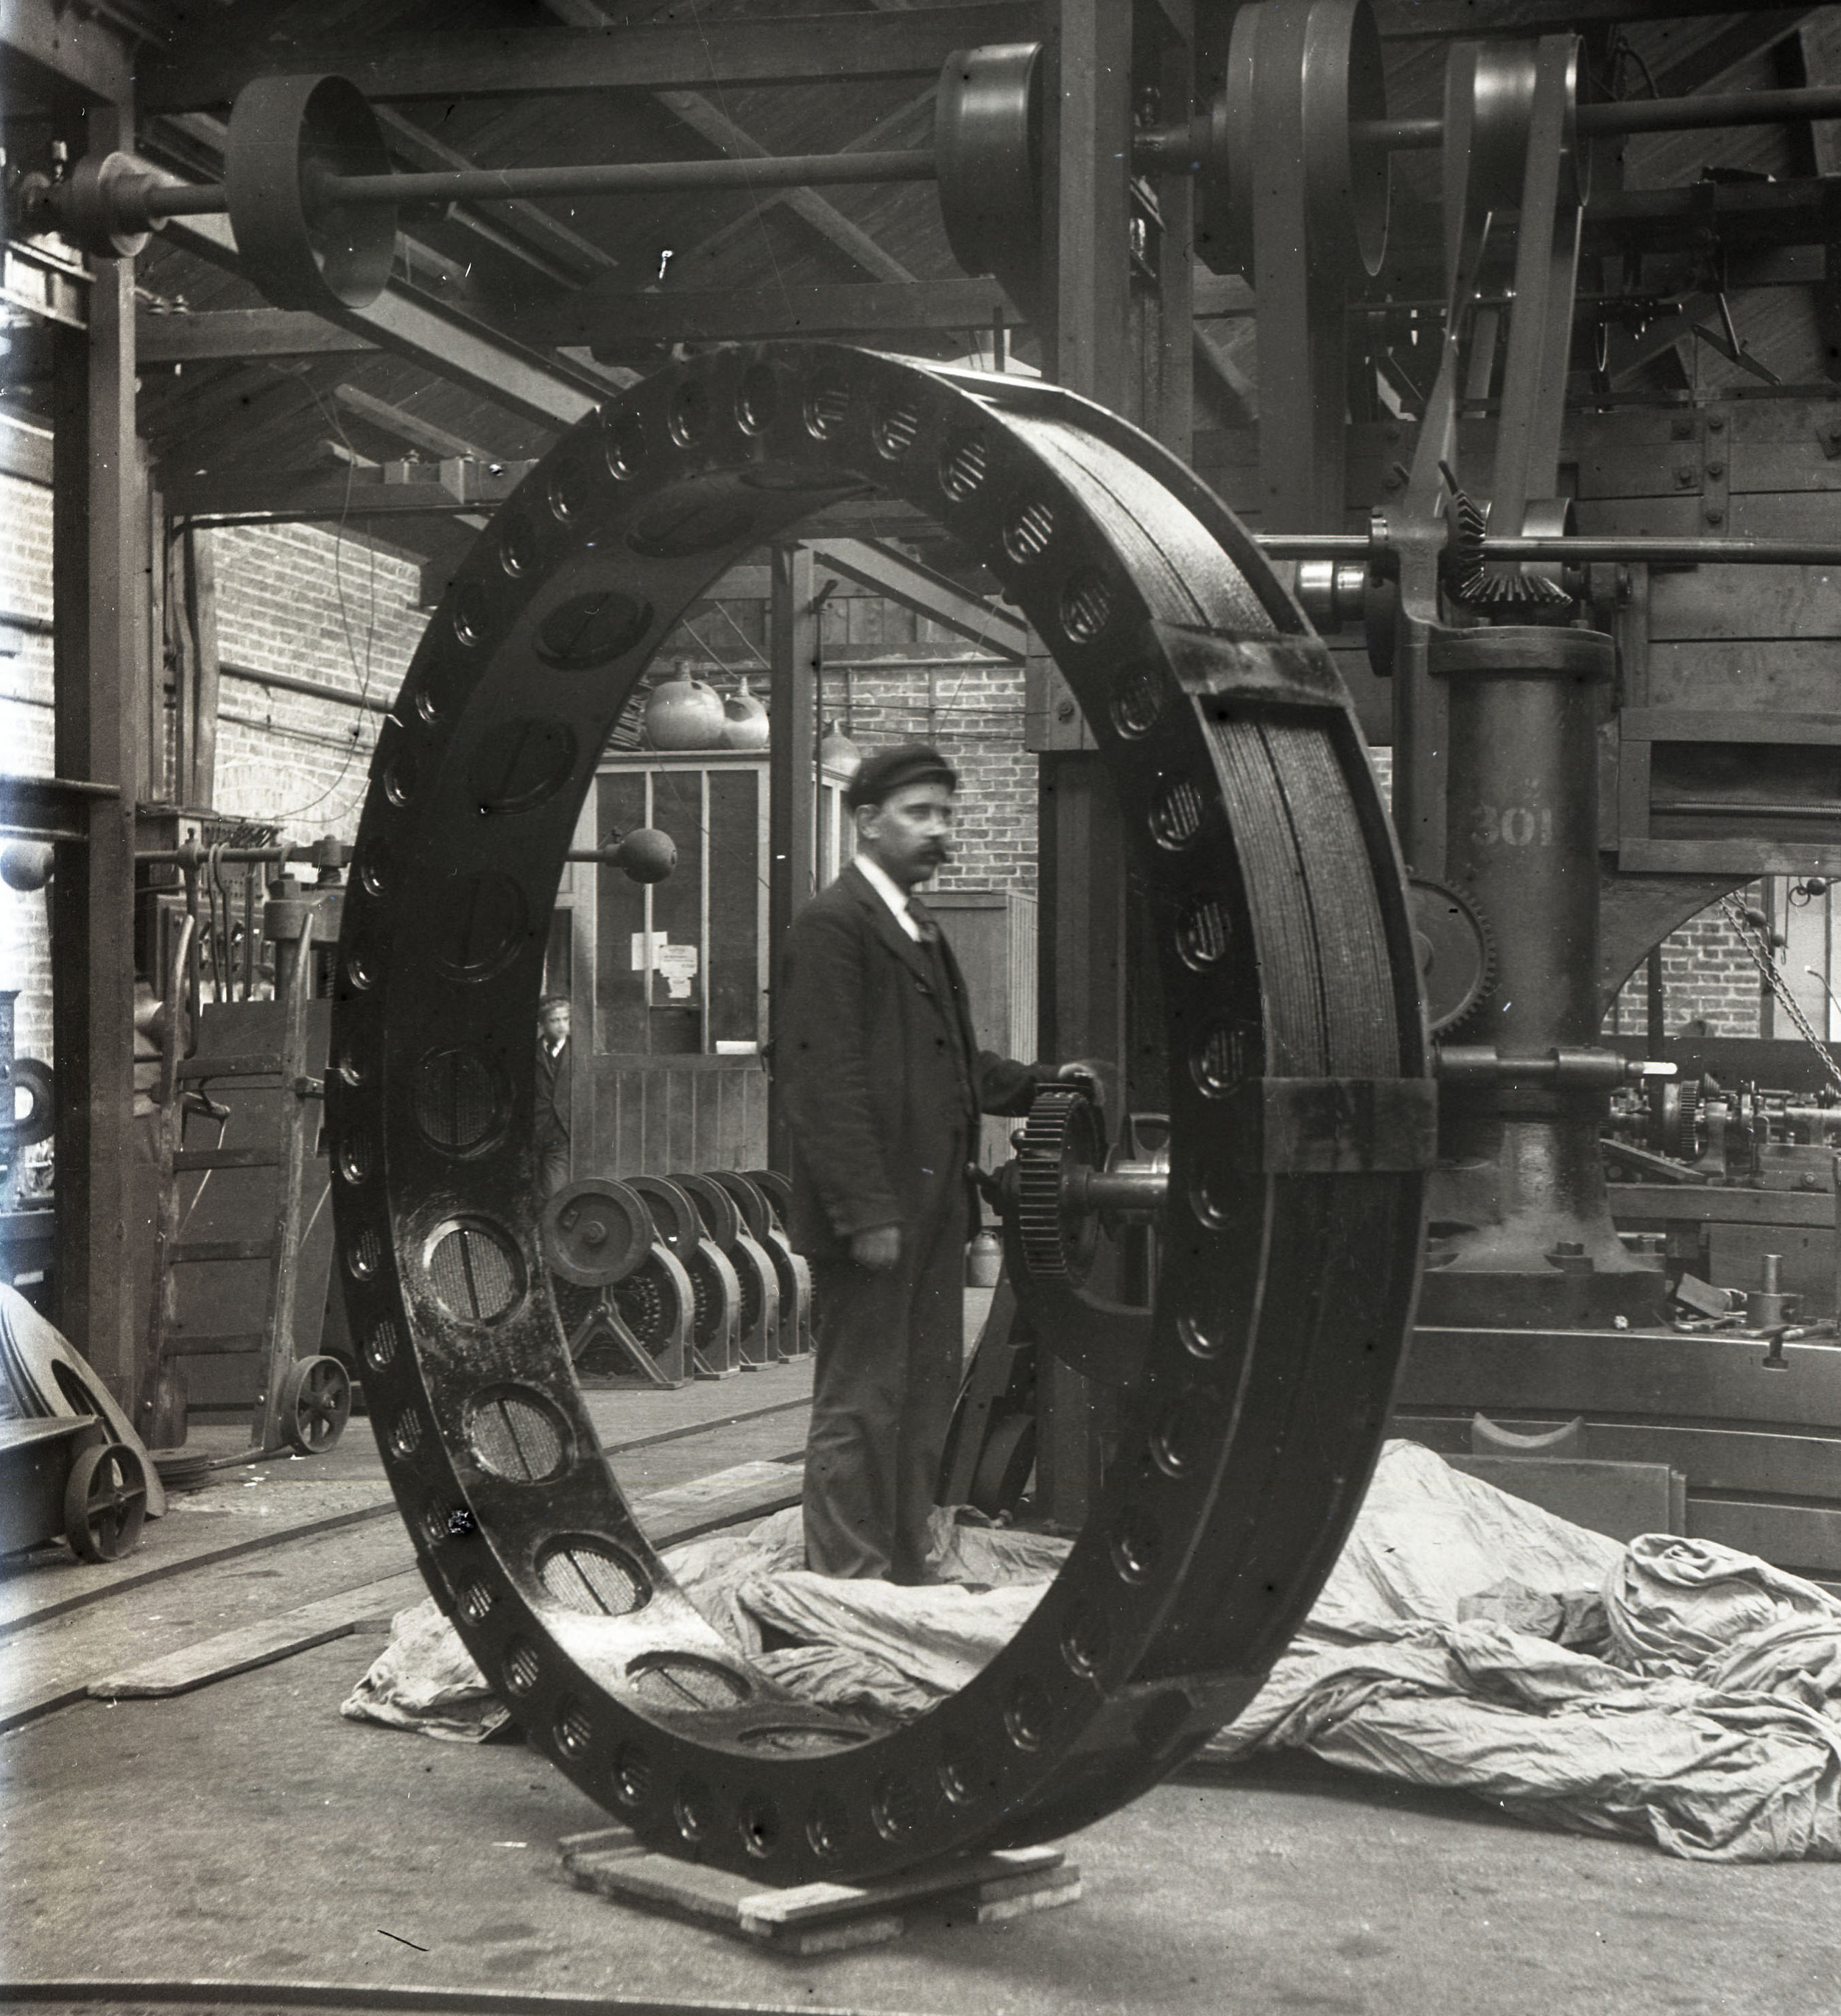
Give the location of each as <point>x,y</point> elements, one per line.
<point>603,178</point>
<point>1575,551</point>
<point>1638,115</point>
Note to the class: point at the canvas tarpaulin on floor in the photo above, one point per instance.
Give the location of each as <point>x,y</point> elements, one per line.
<point>1673,1690</point>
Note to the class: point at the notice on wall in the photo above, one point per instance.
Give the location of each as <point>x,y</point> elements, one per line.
<point>675,964</point>
<point>678,964</point>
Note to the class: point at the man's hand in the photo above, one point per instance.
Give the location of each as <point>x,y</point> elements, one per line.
<point>879,1249</point>
<point>1090,1075</point>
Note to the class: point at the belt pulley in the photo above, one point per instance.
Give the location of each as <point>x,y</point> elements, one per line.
<point>1300,1112</point>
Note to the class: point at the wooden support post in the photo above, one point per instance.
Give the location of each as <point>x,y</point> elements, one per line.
<point>1812,56</point>
<point>1086,298</point>
<point>792,792</point>
<point>98,539</point>
<point>194,590</point>
<point>1082,1014</point>
<point>151,617</point>
<point>1656,1004</point>
<point>1088,141</point>
<point>1174,422</point>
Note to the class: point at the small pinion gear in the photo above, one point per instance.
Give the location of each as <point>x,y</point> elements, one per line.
<point>1062,1130</point>
<point>1457,951</point>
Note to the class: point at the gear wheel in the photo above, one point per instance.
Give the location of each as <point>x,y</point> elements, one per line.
<point>1457,951</point>
<point>644,1307</point>
<point>1468,579</point>
<point>1062,1129</point>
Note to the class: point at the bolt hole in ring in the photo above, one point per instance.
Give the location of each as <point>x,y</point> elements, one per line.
<point>1244,827</point>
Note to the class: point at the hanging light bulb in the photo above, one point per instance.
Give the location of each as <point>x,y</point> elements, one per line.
<point>838,752</point>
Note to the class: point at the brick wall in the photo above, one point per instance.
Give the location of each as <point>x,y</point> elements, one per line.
<point>1707,975</point>
<point>974,717</point>
<point>300,599</point>
<point>26,738</point>
<point>971,710</point>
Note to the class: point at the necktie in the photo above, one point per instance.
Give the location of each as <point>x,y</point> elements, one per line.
<point>923,921</point>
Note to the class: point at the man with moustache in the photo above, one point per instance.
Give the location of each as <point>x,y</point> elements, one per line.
<point>883,1087</point>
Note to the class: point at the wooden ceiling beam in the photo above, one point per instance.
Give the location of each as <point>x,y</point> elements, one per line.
<point>714,125</point>
<point>896,128</point>
<point>66,52</point>
<point>1425,20</point>
<point>401,425</point>
<point>236,332</point>
<point>392,490</point>
<point>818,48</point>
<point>466,352</point>
<point>610,318</point>
<point>883,571</point>
<point>547,236</point>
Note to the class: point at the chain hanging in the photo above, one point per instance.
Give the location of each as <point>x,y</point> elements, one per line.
<point>1758,949</point>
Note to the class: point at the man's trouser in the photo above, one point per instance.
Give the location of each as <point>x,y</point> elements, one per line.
<point>889,1350</point>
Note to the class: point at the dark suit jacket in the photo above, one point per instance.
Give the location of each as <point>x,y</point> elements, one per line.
<point>552,1096</point>
<point>864,1055</point>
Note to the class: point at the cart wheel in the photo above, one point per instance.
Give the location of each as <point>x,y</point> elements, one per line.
<point>315,1404</point>
<point>1008,1456</point>
<point>105,1502</point>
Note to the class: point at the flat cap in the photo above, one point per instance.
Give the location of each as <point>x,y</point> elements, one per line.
<point>882,775</point>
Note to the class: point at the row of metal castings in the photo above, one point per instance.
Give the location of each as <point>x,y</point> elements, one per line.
<point>660,1279</point>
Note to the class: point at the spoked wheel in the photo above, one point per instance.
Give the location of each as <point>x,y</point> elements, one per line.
<point>1300,1110</point>
<point>105,1502</point>
<point>315,1404</point>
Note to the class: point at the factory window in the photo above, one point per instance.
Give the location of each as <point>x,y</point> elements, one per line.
<point>681,966</point>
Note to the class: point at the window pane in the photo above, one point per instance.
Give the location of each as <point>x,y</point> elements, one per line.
<point>735,868</point>
<point>676,1019</point>
<point>620,994</point>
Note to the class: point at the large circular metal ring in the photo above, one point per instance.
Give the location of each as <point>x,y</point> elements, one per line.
<point>286,133</point>
<point>1288,1259</point>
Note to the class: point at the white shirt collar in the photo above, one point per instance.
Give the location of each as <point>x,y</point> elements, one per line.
<point>891,891</point>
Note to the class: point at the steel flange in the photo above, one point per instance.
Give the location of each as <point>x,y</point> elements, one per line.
<point>1288,1264</point>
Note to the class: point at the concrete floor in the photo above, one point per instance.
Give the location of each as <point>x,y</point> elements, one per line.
<point>246,1831</point>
